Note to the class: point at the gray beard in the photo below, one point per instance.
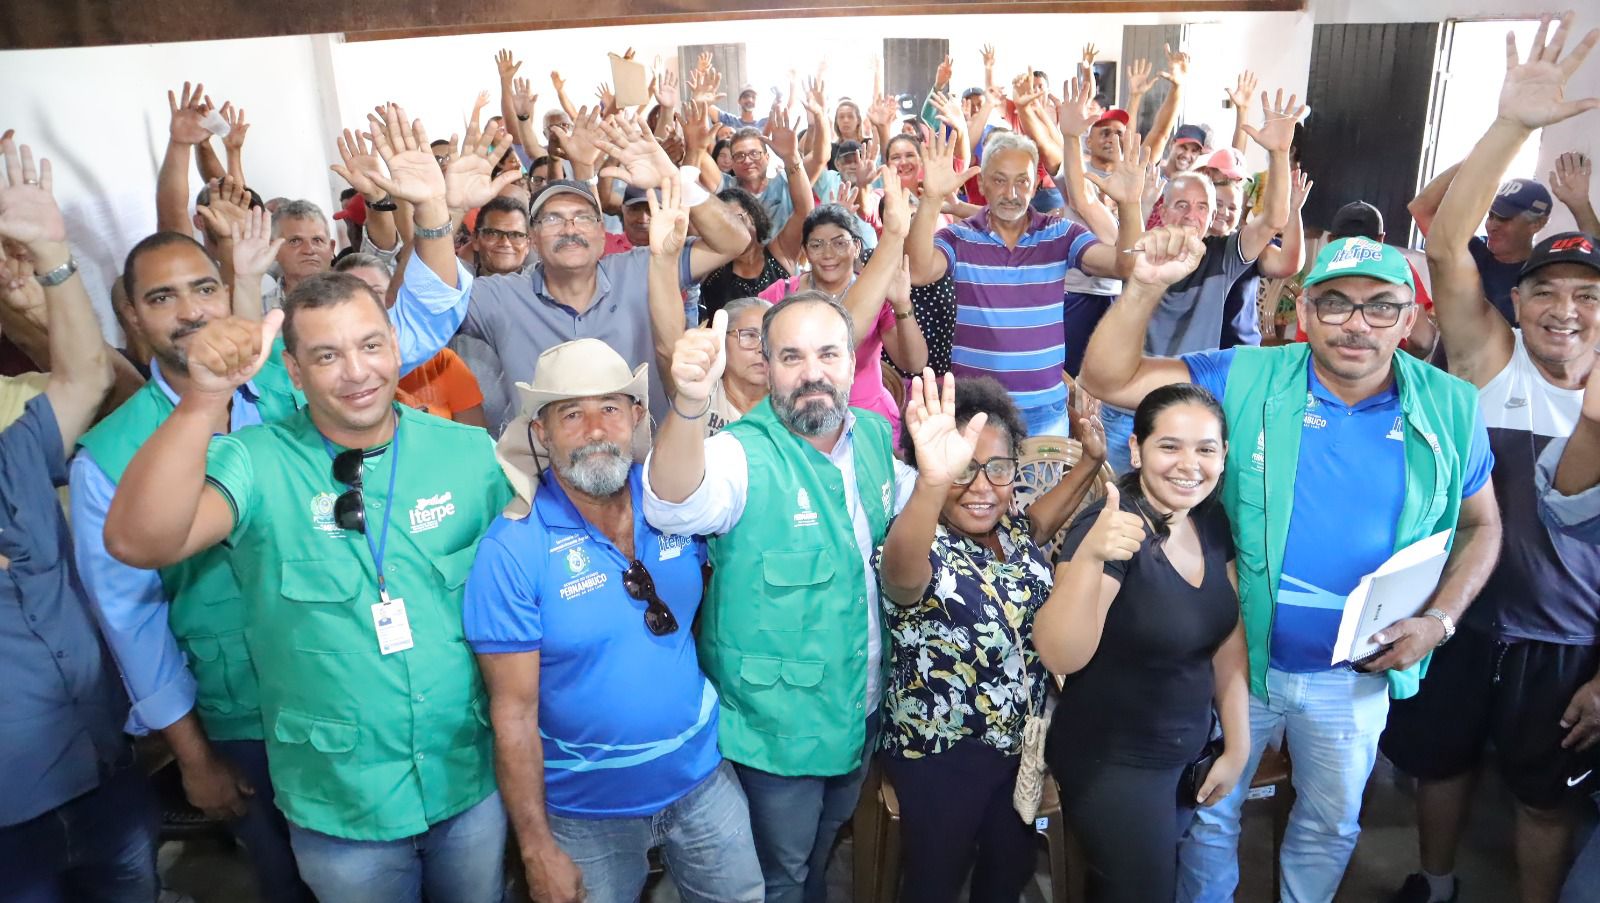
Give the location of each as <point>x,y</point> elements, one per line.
<point>599,469</point>
<point>813,419</point>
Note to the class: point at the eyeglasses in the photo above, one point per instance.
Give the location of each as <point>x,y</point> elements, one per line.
<point>515,238</point>
<point>999,471</point>
<point>1336,311</point>
<point>841,245</point>
<point>441,159</point>
<point>557,221</point>
<point>349,509</point>
<point>749,338</point>
<point>640,585</point>
<point>749,156</point>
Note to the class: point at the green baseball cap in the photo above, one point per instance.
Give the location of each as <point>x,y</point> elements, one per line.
<point>1359,256</point>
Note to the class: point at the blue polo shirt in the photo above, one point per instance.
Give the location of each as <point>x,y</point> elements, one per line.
<point>628,719</point>
<point>1349,486</point>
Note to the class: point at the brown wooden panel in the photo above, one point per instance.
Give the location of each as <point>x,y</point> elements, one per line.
<point>79,23</point>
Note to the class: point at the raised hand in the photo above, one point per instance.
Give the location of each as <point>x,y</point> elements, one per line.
<point>507,66</point>
<point>357,159</point>
<point>899,292</point>
<point>1534,92</point>
<point>1091,431</point>
<point>608,100</point>
<point>28,211</point>
<point>1166,254</point>
<point>188,116</point>
<point>559,83</point>
<point>580,139</point>
<point>1125,184</point>
<point>815,99</point>
<point>949,111</point>
<point>641,160</point>
<point>1116,534</point>
<point>237,127</point>
<point>1078,112</point>
<point>469,179</point>
<point>699,357</point>
<point>478,103</point>
<point>669,219</point>
<point>781,136</point>
<point>699,129</point>
<point>941,75</point>
<point>1300,186</point>
<point>988,56</point>
<point>1140,79</point>
<point>881,112</point>
<point>943,450</point>
<point>228,205</point>
<point>227,353</point>
<point>1089,53</point>
<point>414,175</point>
<point>1279,116</point>
<point>667,90</point>
<point>254,248</point>
<point>1023,94</point>
<point>940,178</point>
<point>523,99</point>
<point>1177,65</point>
<point>895,210</point>
<point>1569,181</point>
<point>1242,94</point>
<point>703,63</point>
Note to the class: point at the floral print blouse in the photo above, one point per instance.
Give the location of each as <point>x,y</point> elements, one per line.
<point>957,671</point>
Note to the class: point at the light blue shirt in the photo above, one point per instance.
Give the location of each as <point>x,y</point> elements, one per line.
<point>1576,515</point>
<point>130,602</point>
<point>775,197</point>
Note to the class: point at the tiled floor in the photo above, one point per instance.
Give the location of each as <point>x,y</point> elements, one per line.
<point>1386,853</point>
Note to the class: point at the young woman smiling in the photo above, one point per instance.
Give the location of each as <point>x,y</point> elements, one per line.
<point>1144,621</point>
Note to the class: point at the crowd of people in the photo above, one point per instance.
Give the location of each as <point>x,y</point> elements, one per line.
<point>713,425</point>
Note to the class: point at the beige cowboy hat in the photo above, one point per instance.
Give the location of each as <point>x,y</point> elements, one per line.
<point>584,368</point>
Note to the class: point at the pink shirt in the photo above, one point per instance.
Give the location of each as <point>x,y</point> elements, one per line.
<point>867,391</point>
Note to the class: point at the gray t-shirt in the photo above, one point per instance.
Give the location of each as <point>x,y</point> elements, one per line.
<point>519,321</point>
<point>1189,317</point>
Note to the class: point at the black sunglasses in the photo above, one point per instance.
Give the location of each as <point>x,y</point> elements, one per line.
<point>640,585</point>
<point>349,509</point>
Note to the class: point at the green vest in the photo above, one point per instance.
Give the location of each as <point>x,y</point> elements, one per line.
<point>1266,403</point>
<point>783,628</point>
<point>362,745</point>
<point>204,612</point>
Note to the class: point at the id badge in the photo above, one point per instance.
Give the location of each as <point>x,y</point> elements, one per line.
<point>394,629</point>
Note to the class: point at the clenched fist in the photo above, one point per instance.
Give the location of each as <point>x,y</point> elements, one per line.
<point>699,358</point>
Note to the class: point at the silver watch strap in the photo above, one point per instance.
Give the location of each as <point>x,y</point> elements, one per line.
<point>58,275</point>
<point>1445,621</point>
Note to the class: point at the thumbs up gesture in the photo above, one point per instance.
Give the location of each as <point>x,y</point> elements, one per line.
<point>699,358</point>
<point>227,353</point>
<point>1116,534</point>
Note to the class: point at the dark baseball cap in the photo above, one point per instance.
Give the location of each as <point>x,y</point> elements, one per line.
<point>1564,247</point>
<point>1192,133</point>
<point>556,188</point>
<point>846,148</point>
<point>1357,218</point>
<point>1521,196</point>
<point>633,195</point>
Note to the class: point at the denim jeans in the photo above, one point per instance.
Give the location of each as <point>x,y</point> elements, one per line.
<point>1119,429</point>
<point>704,838</point>
<point>97,848</point>
<point>795,821</point>
<point>1046,420</point>
<point>263,831</point>
<point>1331,722</point>
<point>458,860</point>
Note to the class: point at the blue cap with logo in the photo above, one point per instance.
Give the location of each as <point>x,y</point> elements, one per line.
<point>1361,257</point>
<point>1193,133</point>
<point>1521,196</point>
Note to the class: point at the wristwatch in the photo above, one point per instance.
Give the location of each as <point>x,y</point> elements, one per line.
<point>438,232</point>
<point>385,203</point>
<point>58,275</point>
<point>1445,621</point>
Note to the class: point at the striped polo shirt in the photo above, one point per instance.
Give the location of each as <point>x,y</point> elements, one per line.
<point>1009,302</point>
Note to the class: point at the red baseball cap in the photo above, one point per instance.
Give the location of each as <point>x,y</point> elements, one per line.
<point>1113,114</point>
<point>354,210</point>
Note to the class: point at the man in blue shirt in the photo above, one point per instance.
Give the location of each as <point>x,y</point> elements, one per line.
<point>579,612</point>
<point>76,819</point>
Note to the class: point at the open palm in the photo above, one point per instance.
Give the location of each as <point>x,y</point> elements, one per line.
<point>943,449</point>
<point>413,176</point>
<point>28,211</point>
<point>1534,92</point>
<point>469,182</point>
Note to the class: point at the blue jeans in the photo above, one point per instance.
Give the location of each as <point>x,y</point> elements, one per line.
<point>1331,722</point>
<point>458,860</point>
<point>1046,420</point>
<point>704,838</point>
<point>795,821</point>
<point>263,831</point>
<point>1119,429</point>
<point>97,848</point>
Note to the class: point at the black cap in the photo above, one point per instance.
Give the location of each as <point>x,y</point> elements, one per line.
<point>633,194</point>
<point>848,146</point>
<point>1564,247</point>
<point>1357,218</point>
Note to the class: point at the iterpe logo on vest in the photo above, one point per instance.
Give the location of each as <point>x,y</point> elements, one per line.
<point>805,517</point>
<point>431,512</point>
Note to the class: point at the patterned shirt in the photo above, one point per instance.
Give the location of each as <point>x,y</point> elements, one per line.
<point>1009,302</point>
<point>957,672</point>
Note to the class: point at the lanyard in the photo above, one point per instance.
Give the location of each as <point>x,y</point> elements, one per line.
<point>388,506</point>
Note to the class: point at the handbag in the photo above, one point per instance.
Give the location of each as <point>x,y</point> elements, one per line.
<point>1194,774</point>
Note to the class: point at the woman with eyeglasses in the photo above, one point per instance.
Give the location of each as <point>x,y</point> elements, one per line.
<point>1144,621</point>
<point>879,300</point>
<point>962,577</point>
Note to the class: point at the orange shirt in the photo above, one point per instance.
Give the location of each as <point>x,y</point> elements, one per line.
<point>443,385</point>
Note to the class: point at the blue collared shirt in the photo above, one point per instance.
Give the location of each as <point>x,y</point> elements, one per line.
<point>628,719</point>
<point>60,708</point>
<point>1575,515</point>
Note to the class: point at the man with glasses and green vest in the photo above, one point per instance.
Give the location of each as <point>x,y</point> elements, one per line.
<point>1342,452</point>
<point>794,497</point>
<point>350,544</point>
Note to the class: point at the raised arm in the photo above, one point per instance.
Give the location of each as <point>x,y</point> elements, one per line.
<point>943,451</point>
<point>1275,135</point>
<point>1115,369</point>
<point>253,249</point>
<point>1425,205</point>
<point>941,178</point>
<point>816,160</point>
<point>864,299</point>
<point>1242,96</point>
<point>1578,469</point>
<point>1050,511</point>
<point>163,511</point>
<point>1281,262</point>
<point>80,370</point>
<point>786,244</point>
<point>1124,186</point>
<point>560,84</point>
<point>357,159</point>
<point>669,228</point>
<point>678,460</point>
<point>233,143</point>
<point>1075,117</point>
<point>1068,627</point>
<point>172,183</point>
<point>1176,73</point>
<point>1569,182</point>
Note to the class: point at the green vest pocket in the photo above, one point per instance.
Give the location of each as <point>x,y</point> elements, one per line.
<point>325,735</point>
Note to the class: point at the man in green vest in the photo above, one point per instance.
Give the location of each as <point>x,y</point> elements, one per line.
<point>1342,452</point>
<point>350,560</point>
<point>794,497</point>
